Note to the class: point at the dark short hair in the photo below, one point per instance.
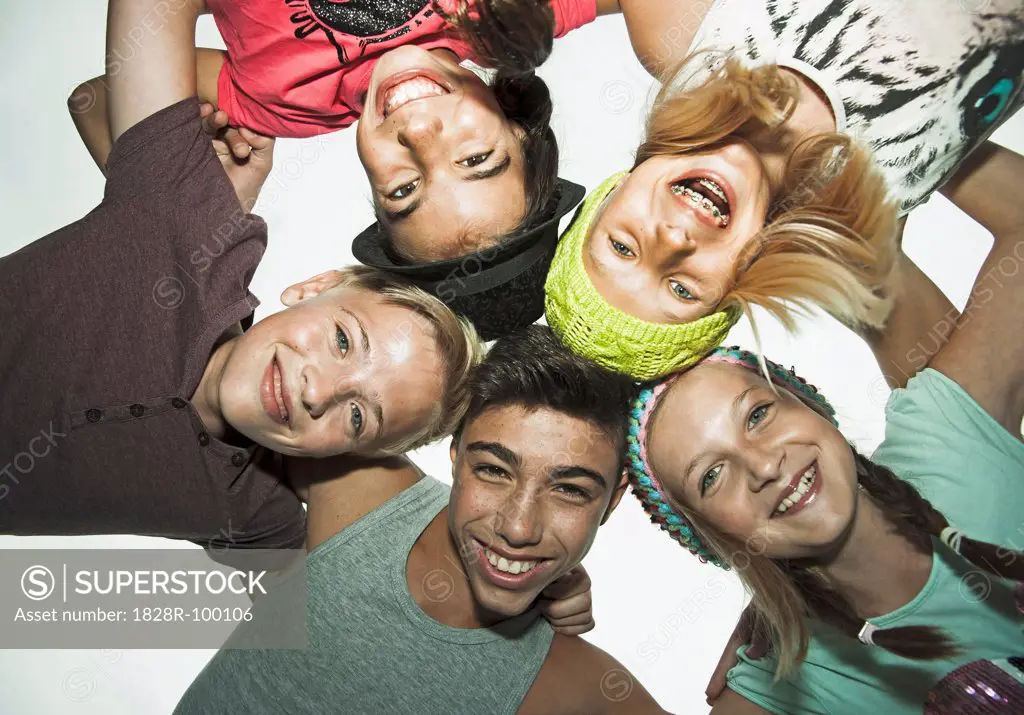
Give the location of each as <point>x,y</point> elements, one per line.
<point>532,369</point>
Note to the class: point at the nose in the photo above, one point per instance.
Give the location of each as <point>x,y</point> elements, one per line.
<point>420,132</point>
<point>764,463</point>
<point>322,388</point>
<point>519,520</point>
<point>672,242</point>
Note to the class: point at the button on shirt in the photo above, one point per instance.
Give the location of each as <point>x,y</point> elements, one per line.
<point>107,326</point>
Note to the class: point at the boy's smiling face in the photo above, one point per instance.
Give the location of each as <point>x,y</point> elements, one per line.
<point>339,371</point>
<point>531,487</point>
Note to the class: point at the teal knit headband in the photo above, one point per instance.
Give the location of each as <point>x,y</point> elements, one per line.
<point>646,486</point>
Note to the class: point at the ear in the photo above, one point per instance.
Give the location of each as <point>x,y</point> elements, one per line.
<point>620,489</point>
<point>311,287</point>
<point>453,451</point>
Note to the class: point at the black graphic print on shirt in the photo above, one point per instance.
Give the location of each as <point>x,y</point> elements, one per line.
<point>371,21</point>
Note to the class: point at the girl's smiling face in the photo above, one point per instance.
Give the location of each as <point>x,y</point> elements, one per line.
<point>675,234</point>
<point>756,464</point>
<point>445,165</point>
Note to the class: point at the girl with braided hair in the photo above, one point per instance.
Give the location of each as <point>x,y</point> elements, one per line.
<point>886,583</point>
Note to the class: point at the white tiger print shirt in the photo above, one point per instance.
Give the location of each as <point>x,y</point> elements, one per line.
<point>922,82</point>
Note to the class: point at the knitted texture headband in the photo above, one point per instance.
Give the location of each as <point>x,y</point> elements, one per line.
<point>646,485</point>
<point>589,326</point>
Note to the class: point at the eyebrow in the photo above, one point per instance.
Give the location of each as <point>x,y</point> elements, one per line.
<point>362,331</point>
<point>497,450</point>
<point>735,406</point>
<point>576,470</point>
<point>365,341</point>
<point>740,397</point>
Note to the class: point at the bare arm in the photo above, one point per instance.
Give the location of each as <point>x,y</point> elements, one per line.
<point>608,7</point>
<point>578,677</point>
<point>341,490</point>
<point>88,103</point>
<point>920,323</point>
<point>160,68</point>
<point>984,353</point>
<point>661,31</point>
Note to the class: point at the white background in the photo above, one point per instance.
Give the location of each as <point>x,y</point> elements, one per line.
<point>660,612</point>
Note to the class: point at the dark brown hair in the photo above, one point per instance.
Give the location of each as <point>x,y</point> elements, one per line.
<point>531,368</point>
<point>915,519</point>
<point>511,36</point>
<point>784,591</point>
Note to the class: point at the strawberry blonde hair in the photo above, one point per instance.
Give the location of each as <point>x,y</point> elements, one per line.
<point>830,236</point>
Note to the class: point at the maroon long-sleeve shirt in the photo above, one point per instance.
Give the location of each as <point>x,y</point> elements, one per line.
<point>106,326</point>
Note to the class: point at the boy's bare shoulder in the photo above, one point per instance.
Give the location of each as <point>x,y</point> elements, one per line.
<point>579,677</point>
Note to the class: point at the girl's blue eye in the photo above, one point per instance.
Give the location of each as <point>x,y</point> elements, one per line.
<point>681,292</point>
<point>709,478</point>
<point>404,190</point>
<point>476,159</point>
<point>621,248</point>
<point>756,415</point>
<point>342,340</point>
<point>357,419</point>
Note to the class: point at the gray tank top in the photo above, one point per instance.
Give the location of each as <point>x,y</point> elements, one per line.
<point>371,649</point>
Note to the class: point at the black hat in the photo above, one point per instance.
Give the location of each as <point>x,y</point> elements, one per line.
<point>500,289</point>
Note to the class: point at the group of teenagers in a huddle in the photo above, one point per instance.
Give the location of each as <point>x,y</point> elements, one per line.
<point>787,144</point>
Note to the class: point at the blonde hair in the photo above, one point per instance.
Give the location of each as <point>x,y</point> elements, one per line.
<point>830,238</point>
<point>784,593</point>
<point>458,344</point>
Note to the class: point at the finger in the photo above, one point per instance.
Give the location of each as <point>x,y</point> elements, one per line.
<point>566,607</point>
<point>205,109</point>
<point>576,619</point>
<point>239,146</point>
<point>257,141</point>
<point>214,122</point>
<point>573,583</point>
<point>574,630</point>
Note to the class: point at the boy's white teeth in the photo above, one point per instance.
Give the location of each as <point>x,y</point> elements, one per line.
<point>411,90</point>
<point>512,567</point>
<point>802,487</point>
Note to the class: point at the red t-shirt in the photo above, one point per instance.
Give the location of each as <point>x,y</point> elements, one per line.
<point>298,68</point>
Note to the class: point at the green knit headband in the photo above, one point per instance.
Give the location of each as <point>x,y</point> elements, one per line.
<point>646,486</point>
<point>589,326</point>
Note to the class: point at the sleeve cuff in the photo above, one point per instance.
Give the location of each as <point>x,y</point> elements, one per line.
<point>156,125</point>
<point>572,14</point>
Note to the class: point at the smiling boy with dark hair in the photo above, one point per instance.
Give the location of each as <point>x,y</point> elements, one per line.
<point>423,598</point>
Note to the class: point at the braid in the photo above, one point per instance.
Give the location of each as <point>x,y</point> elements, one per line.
<point>897,496</point>
<point>784,592</point>
<point>914,518</point>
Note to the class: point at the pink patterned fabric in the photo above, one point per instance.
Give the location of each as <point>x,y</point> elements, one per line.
<point>977,688</point>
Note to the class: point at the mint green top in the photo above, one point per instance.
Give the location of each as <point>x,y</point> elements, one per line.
<point>972,470</point>
<point>372,650</point>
